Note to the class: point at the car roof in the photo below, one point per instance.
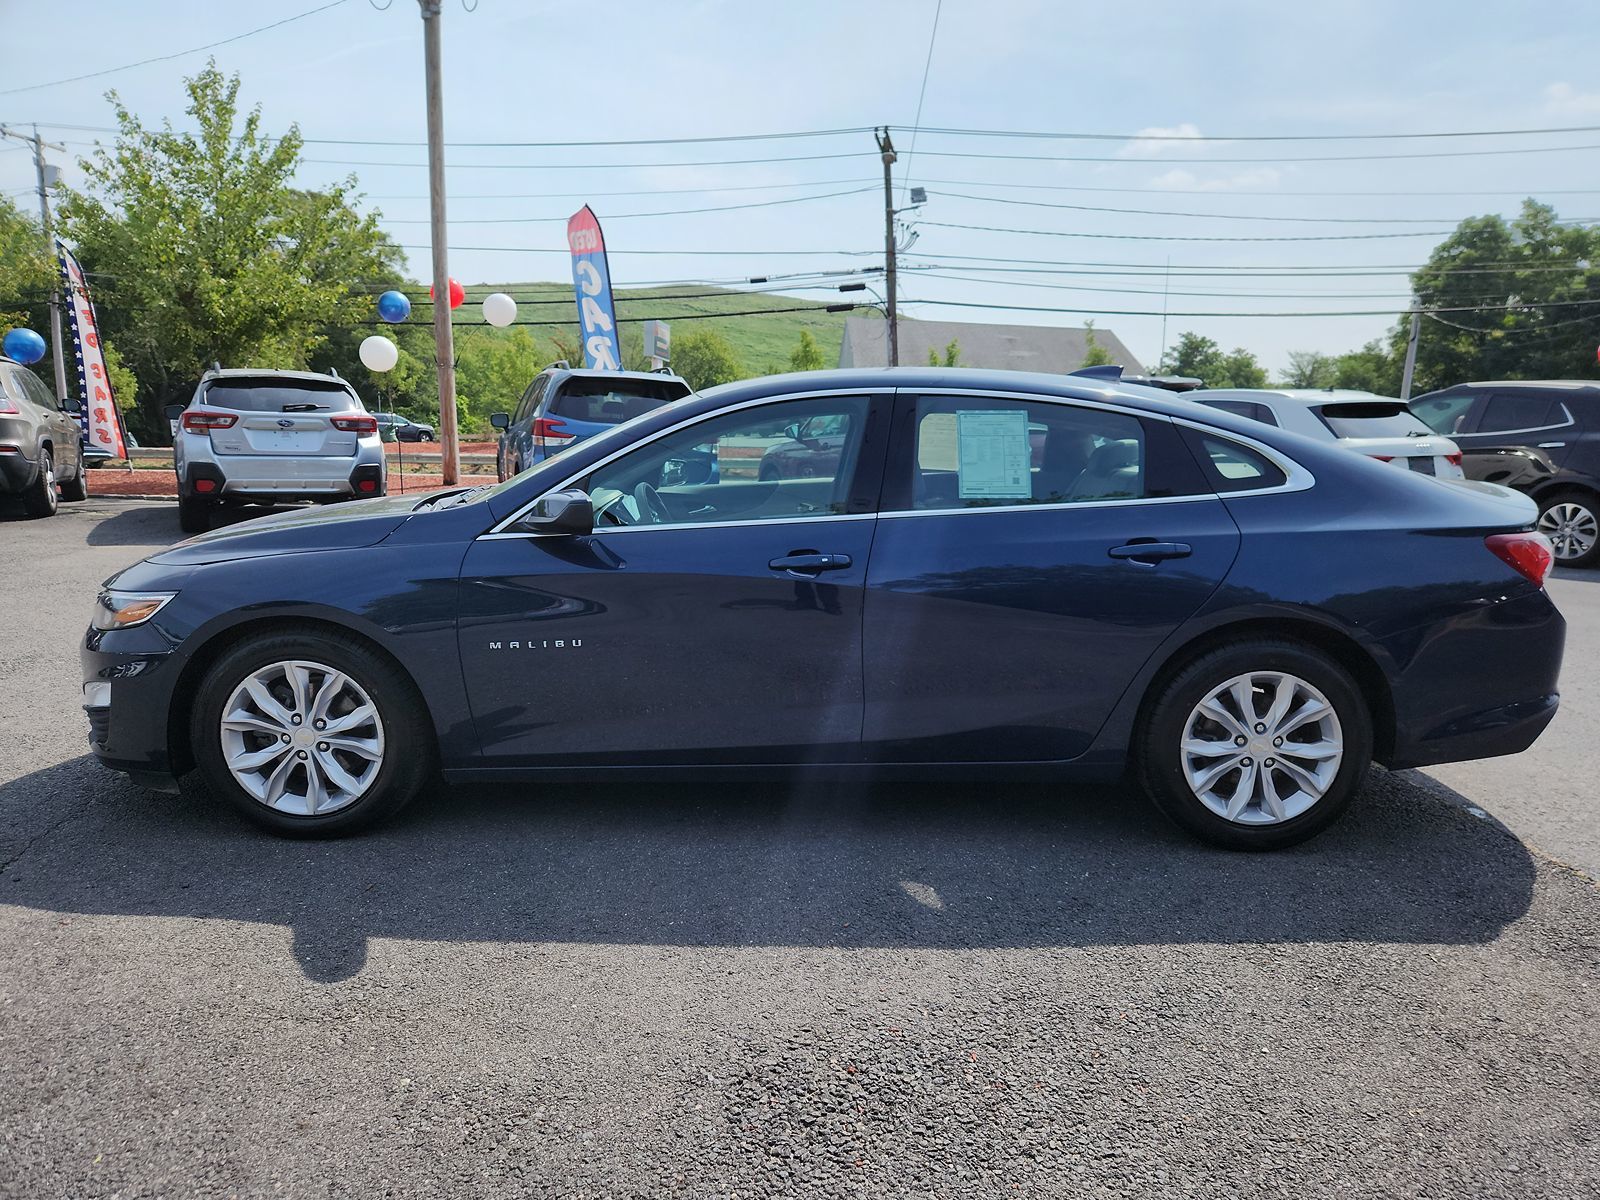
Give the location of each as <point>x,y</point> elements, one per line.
<point>1311,397</point>
<point>593,373</point>
<point>269,373</point>
<point>1575,385</point>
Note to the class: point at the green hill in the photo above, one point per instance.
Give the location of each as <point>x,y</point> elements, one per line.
<point>763,343</point>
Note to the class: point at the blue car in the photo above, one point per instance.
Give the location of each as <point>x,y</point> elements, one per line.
<point>564,405</point>
<point>1001,576</point>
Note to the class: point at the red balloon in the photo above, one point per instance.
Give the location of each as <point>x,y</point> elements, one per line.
<point>457,294</point>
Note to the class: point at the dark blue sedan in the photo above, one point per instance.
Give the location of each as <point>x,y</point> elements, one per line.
<point>1000,575</point>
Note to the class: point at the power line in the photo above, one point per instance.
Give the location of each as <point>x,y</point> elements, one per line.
<point>587,166</point>
<point>922,94</point>
<point>1041,264</point>
<point>1377,312</point>
<point>923,273</point>
<point>566,253</point>
<point>1253,137</point>
<point>592,195</point>
<point>676,212</point>
<point>1167,237</point>
<point>712,316</point>
<point>33,87</point>
<point>1165,191</point>
<point>1145,162</point>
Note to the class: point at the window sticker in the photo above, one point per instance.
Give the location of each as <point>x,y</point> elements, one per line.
<point>994,456</point>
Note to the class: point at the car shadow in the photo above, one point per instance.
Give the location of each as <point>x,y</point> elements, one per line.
<point>1576,574</point>
<point>156,523</point>
<point>836,864</point>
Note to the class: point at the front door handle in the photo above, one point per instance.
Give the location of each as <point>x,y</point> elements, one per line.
<point>1151,552</point>
<point>807,563</point>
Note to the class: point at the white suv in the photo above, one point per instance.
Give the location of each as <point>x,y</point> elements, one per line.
<point>270,437</point>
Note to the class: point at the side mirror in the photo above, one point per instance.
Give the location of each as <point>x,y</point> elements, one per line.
<point>71,405</point>
<point>792,432</point>
<point>500,420</point>
<point>174,412</point>
<point>568,511</point>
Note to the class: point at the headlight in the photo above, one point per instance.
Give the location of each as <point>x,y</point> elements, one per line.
<point>122,610</point>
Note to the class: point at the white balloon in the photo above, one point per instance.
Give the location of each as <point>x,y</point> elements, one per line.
<point>379,353</point>
<point>499,309</point>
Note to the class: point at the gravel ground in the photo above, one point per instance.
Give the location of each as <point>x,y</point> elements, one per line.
<point>769,991</point>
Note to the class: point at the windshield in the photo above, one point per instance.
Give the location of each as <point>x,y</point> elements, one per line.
<point>615,437</point>
<point>1379,419</point>
<point>612,401</point>
<point>257,395</point>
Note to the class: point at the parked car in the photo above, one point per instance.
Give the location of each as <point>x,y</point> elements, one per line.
<point>271,437</point>
<point>1175,591</point>
<point>402,429</point>
<point>563,405</point>
<point>809,448</point>
<point>1541,437</point>
<point>99,456</point>
<point>41,457</point>
<point>1380,427</point>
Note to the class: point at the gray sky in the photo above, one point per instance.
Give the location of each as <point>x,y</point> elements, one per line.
<point>534,71</point>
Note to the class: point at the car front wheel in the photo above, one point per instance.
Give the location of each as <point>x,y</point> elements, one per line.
<point>1571,520</point>
<point>1256,745</point>
<point>311,734</point>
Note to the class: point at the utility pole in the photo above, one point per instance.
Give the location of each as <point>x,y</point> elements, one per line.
<point>444,348</point>
<point>1411,353</point>
<point>46,175</point>
<point>886,148</point>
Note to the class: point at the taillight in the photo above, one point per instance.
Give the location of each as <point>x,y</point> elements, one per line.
<point>6,406</point>
<point>1382,457</point>
<point>548,429</point>
<point>200,420</point>
<point>363,424</point>
<point>1530,554</point>
<point>1453,459</point>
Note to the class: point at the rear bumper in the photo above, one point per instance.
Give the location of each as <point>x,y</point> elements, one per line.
<point>17,473</point>
<point>1483,687</point>
<point>276,479</point>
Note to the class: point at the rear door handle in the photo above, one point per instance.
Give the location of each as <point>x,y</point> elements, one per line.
<point>1151,552</point>
<point>809,562</point>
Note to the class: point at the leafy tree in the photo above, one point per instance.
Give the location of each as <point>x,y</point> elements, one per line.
<point>210,254</point>
<point>1369,369</point>
<point>1203,359</point>
<point>704,358</point>
<point>493,369</point>
<point>1096,354</point>
<point>26,272</point>
<point>952,355</point>
<point>1310,369</point>
<point>807,356</point>
<point>1536,284</point>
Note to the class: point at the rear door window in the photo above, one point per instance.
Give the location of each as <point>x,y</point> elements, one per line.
<point>1521,412</point>
<point>254,395</point>
<point>1391,419</point>
<point>613,401</point>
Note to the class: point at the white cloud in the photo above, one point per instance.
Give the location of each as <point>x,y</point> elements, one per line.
<point>1180,180</point>
<point>1157,141</point>
<point>1566,100</point>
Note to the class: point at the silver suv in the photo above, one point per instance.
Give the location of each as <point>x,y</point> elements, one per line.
<point>271,437</point>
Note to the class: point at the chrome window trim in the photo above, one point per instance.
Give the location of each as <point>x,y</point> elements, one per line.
<point>504,526</point>
<point>1567,424</point>
<point>1296,477</point>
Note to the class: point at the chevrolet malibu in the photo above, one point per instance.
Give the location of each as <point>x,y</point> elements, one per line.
<point>999,576</point>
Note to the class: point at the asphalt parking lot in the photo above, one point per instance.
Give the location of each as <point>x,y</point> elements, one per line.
<point>763,991</point>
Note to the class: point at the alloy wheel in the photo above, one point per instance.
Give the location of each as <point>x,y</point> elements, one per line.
<point>1262,748</point>
<point>302,738</point>
<point>1572,529</point>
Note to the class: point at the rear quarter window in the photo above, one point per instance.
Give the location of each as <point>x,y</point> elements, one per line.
<point>266,396</point>
<point>1366,420</point>
<point>1231,466</point>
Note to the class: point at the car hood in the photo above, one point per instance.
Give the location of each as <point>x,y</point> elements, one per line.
<point>334,527</point>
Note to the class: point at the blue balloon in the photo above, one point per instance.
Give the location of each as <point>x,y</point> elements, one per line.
<point>24,345</point>
<point>393,307</point>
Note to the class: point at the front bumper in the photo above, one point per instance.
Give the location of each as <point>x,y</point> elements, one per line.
<point>129,681</point>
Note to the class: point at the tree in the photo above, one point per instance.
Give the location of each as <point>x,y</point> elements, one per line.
<point>493,369</point>
<point>807,356</point>
<point>952,355</point>
<point>1369,369</point>
<point>1203,359</point>
<point>207,251</point>
<point>1095,355</point>
<point>704,358</point>
<point>1310,369</point>
<point>1535,287</point>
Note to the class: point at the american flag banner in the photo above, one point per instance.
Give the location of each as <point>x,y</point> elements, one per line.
<point>102,423</point>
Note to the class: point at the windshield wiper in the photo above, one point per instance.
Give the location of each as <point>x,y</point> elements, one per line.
<point>304,408</point>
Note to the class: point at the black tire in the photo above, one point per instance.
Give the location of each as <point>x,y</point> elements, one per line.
<point>1580,499</point>
<point>41,498</point>
<point>427,437</point>
<point>77,488</point>
<point>1160,732</point>
<point>768,473</point>
<point>410,757</point>
<point>194,514</point>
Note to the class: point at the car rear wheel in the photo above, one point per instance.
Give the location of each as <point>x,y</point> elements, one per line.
<point>194,514</point>
<point>41,500</point>
<point>1256,745</point>
<point>311,734</point>
<point>77,488</point>
<point>1571,520</point>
